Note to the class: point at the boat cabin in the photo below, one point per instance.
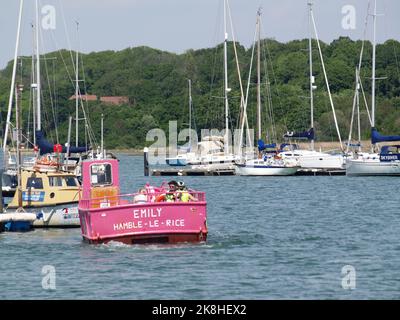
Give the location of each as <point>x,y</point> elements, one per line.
<point>41,189</point>
<point>390,153</point>
<point>100,182</point>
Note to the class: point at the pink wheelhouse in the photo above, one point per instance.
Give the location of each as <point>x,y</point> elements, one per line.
<point>107,215</point>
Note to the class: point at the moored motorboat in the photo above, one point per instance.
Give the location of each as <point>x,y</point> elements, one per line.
<point>106,215</point>
<point>266,167</point>
<point>42,189</point>
<point>59,217</point>
<point>16,221</point>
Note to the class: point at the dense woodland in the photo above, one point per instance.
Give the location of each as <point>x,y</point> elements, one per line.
<point>156,83</point>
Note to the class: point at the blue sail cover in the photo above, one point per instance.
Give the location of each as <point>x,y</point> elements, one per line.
<point>262,146</point>
<point>310,135</point>
<point>47,147</point>
<point>377,137</point>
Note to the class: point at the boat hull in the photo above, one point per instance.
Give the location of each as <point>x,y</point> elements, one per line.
<point>167,238</point>
<point>16,221</point>
<point>8,192</point>
<point>144,223</point>
<point>246,170</point>
<point>177,162</point>
<point>307,159</point>
<point>372,168</point>
<point>60,218</point>
<point>322,162</point>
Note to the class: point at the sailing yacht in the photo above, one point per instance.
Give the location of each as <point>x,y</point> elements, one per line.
<point>267,163</point>
<point>43,184</point>
<point>17,220</point>
<point>385,162</point>
<point>185,155</point>
<point>213,152</point>
<point>312,159</point>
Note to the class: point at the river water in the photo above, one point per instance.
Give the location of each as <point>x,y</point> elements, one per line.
<point>269,238</point>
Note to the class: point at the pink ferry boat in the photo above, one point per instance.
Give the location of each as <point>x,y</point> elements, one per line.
<point>145,217</point>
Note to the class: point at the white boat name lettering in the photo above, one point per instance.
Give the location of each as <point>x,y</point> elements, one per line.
<point>139,224</point>
<point>128,225</point>
<point>394,157</point>
<point>175,223</point>
<point>147,213</point>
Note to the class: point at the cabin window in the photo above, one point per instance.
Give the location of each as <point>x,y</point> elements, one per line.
<point>34,183</point>
<point>55,181</point>
<point>100,174</point>
<point>71,182</point>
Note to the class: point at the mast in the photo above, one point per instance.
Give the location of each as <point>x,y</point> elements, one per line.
<point>312,80</point>
<point>373,69</point>
<point>190,113</point>
<point>326,80</point>
<point>358,110</point>
<point>102,137</point>
<point>33,85</point>
<point>18,92</point>
<point>227,90</point>
<point>69,141</point>
<point>14,72</point>
<point>77,94</point>
<point>38,84</point>
<point>259,76</point>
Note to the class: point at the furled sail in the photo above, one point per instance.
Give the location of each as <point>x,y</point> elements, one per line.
<point>377,137</point>
<point>47,147</point>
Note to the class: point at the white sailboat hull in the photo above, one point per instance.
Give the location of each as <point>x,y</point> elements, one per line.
<point>324,161</point>
<point>249,170</point>
<point>372,168</point>
<point>67,217</point>
<point>307,159</point>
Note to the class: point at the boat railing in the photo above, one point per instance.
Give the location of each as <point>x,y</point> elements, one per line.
<point>135,198</point>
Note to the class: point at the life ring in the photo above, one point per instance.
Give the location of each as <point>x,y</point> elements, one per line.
<point>46,162</point>
<point>160,198</point>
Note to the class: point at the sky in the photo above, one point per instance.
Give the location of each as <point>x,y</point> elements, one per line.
<point>179,25</point>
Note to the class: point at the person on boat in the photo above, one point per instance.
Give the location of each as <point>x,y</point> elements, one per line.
<point>171,195</point>
<point>183,193</point>
<point>141,197</point>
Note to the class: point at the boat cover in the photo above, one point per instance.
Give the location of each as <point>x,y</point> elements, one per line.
<point>310,135</point>
<point>46,147</point>
<point>377,137</point>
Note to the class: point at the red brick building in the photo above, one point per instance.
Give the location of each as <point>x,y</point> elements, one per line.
<point>85,97</point>
<point>115,100</point>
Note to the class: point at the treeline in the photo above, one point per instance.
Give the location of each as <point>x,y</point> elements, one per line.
<point>156,83</point>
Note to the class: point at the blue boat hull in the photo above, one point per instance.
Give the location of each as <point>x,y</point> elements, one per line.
<point>176,162</point>
<point>18,226</point>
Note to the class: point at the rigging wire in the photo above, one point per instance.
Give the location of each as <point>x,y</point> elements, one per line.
<point>213,107</point>
<point>278,95</point>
